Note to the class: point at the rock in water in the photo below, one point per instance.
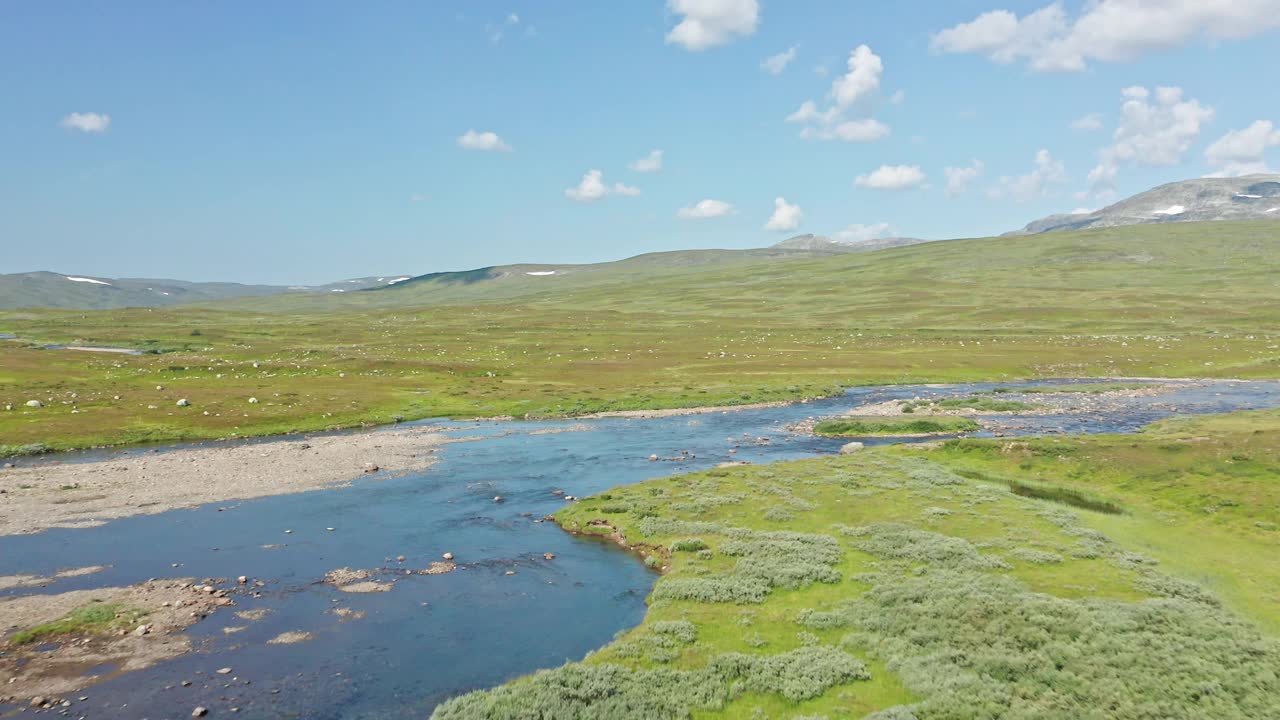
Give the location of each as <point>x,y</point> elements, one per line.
<point>200,712</point>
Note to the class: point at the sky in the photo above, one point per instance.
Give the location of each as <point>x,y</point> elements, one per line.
<point>292,142</point>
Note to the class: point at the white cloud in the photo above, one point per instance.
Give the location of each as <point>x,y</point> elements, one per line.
<point>775,64</point>
<point>90,122</point>
<point>1241,152</point>
<point>472,140</point>
<point>892,177</point>
<point>958,178</point>
<point>650,163</point>
<point>705,209</point>
<point>1151,133</point>
<point>1106,30</point>
<point>898,97</point>
<point>849,131</point>
<point>785,216</point>
<point>863,78</point>
<point>593,188</point>
<point>1090,122</point>
<point>861,82</point>
<point>513,19</point>
<point>1046,172</point>
<point>862,233</point>
<point>708,23</point>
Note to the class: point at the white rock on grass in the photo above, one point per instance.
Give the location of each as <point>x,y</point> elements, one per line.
<point>851,448</point>
<point>253,401</point>
<point>184,403</point>
<point>34,404</point>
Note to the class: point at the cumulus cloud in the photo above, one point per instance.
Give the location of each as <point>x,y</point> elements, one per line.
<point>857,233</point>
<point>708,23</point>
<point>1047,172</point>
<point>850,90</point>
<point>775,64</point>
<point>1154,130</point>
<point>593,188</point>
<point>487,141</point>
<point>650,163</point>
<point>705,209</point>
<point>958,178</point>
<point>90,122</point>
<point>785,216</point>
<point>1105,30</point>
<point>892,177</point>
<point>1090,122</point>
<point>850,131</point>
<point>1241,152</point>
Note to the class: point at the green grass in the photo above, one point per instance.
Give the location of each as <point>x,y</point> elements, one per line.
<point>983,404</point>
<point>913,590</point>
<point>23,450</point>
<point>688,330</point>
<point>93,619</point>
<point>864,427</point>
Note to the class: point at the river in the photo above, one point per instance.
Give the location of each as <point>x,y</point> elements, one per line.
<point>433,637</point>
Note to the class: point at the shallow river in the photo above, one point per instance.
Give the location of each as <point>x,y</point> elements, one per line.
<point>433,637</point>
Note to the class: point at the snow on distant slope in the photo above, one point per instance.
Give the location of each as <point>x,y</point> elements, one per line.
<point>541,272</point>
<point>87,280</point>
<point>1252,197</point>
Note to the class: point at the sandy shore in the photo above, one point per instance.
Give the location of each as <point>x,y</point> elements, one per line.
<point>167,607</point>
<point>37,495</point>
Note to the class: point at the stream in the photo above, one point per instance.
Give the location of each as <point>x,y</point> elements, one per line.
<point>433,637</point>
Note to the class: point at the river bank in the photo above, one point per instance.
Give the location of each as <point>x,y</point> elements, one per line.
<point>39,494</point>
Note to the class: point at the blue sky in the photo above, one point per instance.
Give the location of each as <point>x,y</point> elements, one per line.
<point>307,142</point>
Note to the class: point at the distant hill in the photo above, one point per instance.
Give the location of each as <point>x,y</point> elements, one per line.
<point>1253,197</point>
<point>56,290</point>
<point>818,244</point>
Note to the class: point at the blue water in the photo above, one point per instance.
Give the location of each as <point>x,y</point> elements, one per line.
<point>433,637</point>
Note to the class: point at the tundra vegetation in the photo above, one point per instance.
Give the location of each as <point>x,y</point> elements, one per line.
<point>910,583</point>
<point>868,426</point>
<point>659,331</point>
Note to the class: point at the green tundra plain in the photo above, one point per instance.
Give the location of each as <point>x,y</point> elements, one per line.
<point>1096,577</point>
<point>660,331</point>
<point>909,584</point>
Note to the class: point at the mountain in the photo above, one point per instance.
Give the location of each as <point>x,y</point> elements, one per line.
<point>1252,197</point>
<point>818,244</point>
<point>56,290</point>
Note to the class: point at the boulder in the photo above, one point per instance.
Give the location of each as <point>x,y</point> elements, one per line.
<point>184,403</point>
<point>34,404</point>
<point>851,448</point>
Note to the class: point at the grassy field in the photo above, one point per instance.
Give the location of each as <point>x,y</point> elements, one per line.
<point>905,583</point>
<point>898,426</point>
<point>678,331</point>
<point>92,619</point>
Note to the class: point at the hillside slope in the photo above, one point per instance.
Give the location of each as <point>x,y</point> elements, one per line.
<point>1189,299</point>
<point>56,290</point>
<point>1253,197</point>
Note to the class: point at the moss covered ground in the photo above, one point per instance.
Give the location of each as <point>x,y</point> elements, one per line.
<point>1182,299</point>
<point>904,583</point>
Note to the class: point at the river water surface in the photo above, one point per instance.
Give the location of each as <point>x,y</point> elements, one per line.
<point>433,637</point>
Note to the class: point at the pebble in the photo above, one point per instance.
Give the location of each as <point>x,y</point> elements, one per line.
<point>224,671</point>
<point>498,498</point>
<point>242,579</point>
<point>200,712</point>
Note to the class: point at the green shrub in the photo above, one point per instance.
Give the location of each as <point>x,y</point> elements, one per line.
<point>864,427</point>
